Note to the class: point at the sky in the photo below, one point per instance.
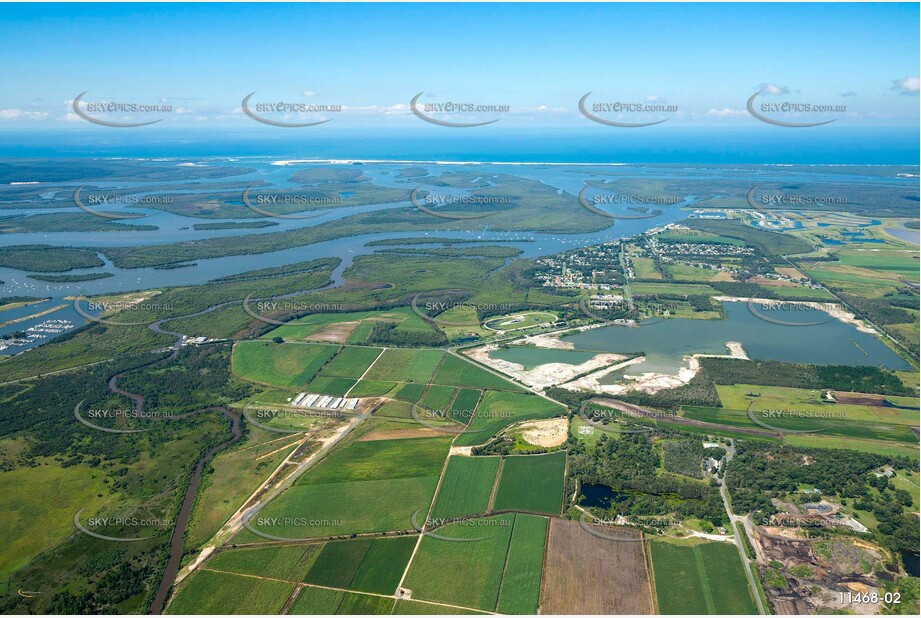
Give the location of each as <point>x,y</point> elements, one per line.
<point>695,64</point>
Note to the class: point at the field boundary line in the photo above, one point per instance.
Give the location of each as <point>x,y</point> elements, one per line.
<point>362,376</point>
<point>704,578</point>
<point>508,551</point>
<point>495,486</point>
<point>291,599</point>
<point>444,469</point>
<point>651,574</point>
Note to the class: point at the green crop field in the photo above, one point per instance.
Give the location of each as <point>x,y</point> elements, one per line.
<point>464,405</point>
<point>410,392</point>
<point>455,371</point>
<point>208,592</point>
<point>383,565</point>
<point>804,410</point>
<point>330,386</point>
<point>879,447</point>
<point>316,602</point>
<point>397,365</point>
<point>289,365</point>
<point>465,487</point>
<point>289,562</point>
<point>364,605</point>
<point>362,487</point>
<point>338,563</point>
<point>520,592</point>
<point>351,362</point>
<point>395,409</point>
<point>706,578</point>
<point>500,409</point>
<point>438,398</point>
<point>410,608</point>
<point>371,388</point>
<point>304,328</point>
<point>462,573</point>
<point>739,396</point>
<point>532,483</point>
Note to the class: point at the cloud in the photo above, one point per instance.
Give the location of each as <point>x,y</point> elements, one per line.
<point>652,98</point>
<point>726,112</point>
<point>849,93</point>
<point>907,85</point>
<point>309,93</point>
<point>18,114</point>
<point>774,89</point>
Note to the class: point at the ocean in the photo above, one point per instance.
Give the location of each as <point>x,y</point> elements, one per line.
<point>827,145</point>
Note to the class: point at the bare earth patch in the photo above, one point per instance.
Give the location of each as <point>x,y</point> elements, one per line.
<point>587,574</point>
<point>399,434</point>
<point>335,333</point>
<point>548,432</point>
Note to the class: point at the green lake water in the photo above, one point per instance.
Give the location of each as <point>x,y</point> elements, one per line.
<point>666,341</point>
<point>532,357</point>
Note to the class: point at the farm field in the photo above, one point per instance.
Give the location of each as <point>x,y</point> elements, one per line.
<point>312,601</point>
<point>500,409</point>
<point>466,487</point>
<point>290,562</point>
<point>471,574</point>
<point>351,362</point>
<point>438,398</point>
<point>520,590</point>
<point>703,578</point>
<point>407,608</point>
<point>372,565</point>
<point>288,365</point>
<point>532,483</point>
<point>210,592</point>
<point>739,396</point>
<point>456,371</point>
<point>398,365</point>
<point>804,410</point>
<point>329,386</point>
<point>366,486</point>
<point>464,405</point>
<point>371,388</point>
<point>318,325</point>
<point>588,574</point>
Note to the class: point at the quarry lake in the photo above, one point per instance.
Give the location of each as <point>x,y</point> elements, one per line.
<point>665,342</point>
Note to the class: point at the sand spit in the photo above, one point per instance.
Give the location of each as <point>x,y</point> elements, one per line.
<point>542,376</point>
<point>650,382</point>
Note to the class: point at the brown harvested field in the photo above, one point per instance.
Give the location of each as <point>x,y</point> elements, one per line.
<point>858,399</point>
<point>773,282</point>
<point>587,574</point>
<point>335,333</point>
<point>400,434</point>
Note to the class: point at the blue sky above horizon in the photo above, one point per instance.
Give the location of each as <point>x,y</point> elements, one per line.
<point>702,60</point>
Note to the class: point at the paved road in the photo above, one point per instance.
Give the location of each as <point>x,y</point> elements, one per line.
<point>735,519</point>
